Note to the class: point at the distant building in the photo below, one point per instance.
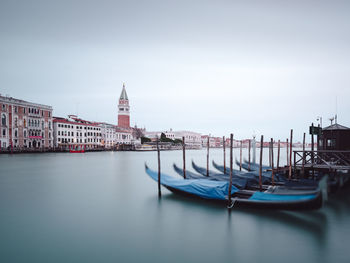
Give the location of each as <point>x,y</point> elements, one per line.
<point>192,139</point>
<point>75,131</point>
<point>25,125</point>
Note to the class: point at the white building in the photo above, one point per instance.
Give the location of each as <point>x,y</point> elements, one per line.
<point>192,139</point>
<point>108,135</point>
<point>74,131</point>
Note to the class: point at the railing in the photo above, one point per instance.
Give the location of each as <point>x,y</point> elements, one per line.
<point>338,160</point>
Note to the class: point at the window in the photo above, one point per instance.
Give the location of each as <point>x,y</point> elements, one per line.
<point>3,132</point>
<point>16,133</point>
<point>16,109</point>
<point>3,107</point>
<point>24,110</point>
<point>59,133</point>
<point>16,121</point>
<point>25,123</point>
<point>25,133</point>
<point>42,124</point>
<point>331,143</point>
<point>3,120</point>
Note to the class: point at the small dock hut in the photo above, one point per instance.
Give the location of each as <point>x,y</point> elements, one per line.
<point>335,137</point>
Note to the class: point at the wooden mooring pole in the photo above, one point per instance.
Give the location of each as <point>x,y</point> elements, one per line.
<point>312,151</point>
<point>249,154</point>
<point>184,156</point>
<point>270,154</point>
<point>208,157</point>
<point>278,154</point>
<point>231,172</point>
<point>287,148</point>
<point>303,163</point>
<point>224,147</point>
<point>240,157</point>
<point>260,167</point>
<point>159,191</point>
<point>272,164</point>
<point>290,154</point>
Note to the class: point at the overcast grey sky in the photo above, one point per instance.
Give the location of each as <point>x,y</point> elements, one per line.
<point>208,66</point>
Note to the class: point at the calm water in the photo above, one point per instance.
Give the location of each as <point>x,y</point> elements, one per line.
<point>102,207</point>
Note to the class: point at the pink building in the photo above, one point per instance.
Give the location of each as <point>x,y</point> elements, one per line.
<point>25,125</point>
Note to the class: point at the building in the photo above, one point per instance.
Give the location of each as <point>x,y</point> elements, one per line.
<point>192,139</point>
<point>73,131</point>
<point>334,137</point>
<point>25,125</point>
<point>123,110</point>
<point>108,135</point>
<point>113,136</point>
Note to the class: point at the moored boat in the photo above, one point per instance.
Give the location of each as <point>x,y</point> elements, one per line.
<point>218,191</point>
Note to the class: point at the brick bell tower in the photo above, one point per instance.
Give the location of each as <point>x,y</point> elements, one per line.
<point>123,110</point>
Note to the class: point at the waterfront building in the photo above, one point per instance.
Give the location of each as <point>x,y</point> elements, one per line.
<point>334,137</point>
<point>25,125</point>
<point>108,135</point>
<point>73,131</point>
<point>192,139</point>
<point>112,135</point>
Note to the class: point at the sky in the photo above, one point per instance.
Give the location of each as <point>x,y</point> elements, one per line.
<point>214,67</point>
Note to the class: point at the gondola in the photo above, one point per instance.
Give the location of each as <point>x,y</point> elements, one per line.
<point>218,191</point>
<point>303,184</point>
<point>253,167</point>
<point>266,177</point>
<point>236,181</point>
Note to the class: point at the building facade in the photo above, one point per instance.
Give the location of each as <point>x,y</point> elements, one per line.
<point>192,139</point>
<point>73,131</point>
<point>25,125</point>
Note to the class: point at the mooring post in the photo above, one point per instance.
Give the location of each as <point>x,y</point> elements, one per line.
<point>272,167</point>
<point>303,162</point>
<point>159,191</point>
<point>312,150</point>
<point>260,167</point>
<point>278,154</point>
<point>249,154</point>
<point>231,168</point>
<point>287,148</point>
<point>240,157</point>
<point>184,156</point>
<point>290,154</point>
<point>224,147</point>
<point>270,154</point>
<point>208,157</point>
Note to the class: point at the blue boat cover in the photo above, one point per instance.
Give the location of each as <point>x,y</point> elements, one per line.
<point>240,183</point>
<point>261,196</point>
<point>204,188</point>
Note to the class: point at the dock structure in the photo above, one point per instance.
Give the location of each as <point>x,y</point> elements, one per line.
<point>331,157</point>
<point>322,160</point>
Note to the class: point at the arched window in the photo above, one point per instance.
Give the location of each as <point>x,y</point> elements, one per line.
<point>3,120</point>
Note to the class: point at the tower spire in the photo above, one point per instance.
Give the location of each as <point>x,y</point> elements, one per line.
<point>123,110</point>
